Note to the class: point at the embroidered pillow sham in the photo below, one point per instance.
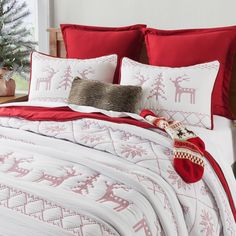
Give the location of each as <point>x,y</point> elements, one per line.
<point>93,41</point>
<point>193,46</point>
<point>111,97</point>
<point>175,93</point>
<point>51,77</point>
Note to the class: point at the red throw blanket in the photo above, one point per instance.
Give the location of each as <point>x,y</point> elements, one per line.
<point>66,114</point>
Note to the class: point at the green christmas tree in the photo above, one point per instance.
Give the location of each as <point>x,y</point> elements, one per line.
<point>15,37</point>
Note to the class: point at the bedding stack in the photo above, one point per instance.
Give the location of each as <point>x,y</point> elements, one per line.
<point>105,146</point>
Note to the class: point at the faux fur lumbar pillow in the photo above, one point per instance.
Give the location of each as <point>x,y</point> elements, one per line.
<point>111,97</point>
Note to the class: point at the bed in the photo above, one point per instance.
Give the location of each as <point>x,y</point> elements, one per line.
<point>224,127</point>
<point>90,175</point>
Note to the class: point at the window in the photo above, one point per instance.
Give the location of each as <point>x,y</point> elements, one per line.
<point>37,22</point>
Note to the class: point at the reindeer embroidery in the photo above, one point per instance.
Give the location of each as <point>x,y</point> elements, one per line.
<point>84,74</point>
<point>110,196</point>
<point>189,132</point>
<point>141,78</point>
<point>142,224</point>
<point>180,133</point>
<point>16,169</point>
<point>47,80</point>
<point>4,157</point>
<point>179,90</point>
<point>56,181</point>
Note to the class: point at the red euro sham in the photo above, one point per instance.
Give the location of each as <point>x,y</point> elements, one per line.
<point>176,48</point>
<point>85,42</point>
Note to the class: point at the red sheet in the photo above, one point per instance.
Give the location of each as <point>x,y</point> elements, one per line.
<point>63,114</point>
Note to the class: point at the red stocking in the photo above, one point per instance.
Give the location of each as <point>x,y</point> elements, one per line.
<point>188,148</point>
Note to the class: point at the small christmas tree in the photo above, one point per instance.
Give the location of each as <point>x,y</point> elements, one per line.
<point>66,79</point>
<point>15,38</point>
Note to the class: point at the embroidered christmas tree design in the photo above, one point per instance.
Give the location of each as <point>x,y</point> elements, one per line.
<point>83,186</point>
<point>66,79</point>
<point>158,88</point>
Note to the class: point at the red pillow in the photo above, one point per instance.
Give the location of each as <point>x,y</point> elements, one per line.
<point>90,41</point>
<point>177,48</point>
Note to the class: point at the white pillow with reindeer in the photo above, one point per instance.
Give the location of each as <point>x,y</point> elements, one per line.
<point>182,93</point>
<point>51,77</point>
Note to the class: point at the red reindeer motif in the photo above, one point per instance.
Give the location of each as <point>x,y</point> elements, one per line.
<point>141,78</point>
<point>84,74</point>
<point>142,224</point>
<point>110,196</point>
<point>47,80</point>
<point>16,169</point>
<point>55,180</point>
<point>179,90</point>
<point>4,157</point>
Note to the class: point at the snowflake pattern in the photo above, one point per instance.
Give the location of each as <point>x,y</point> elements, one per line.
<point>91,139</point>
<point>207,223</point>
<point>86,125</point>
<point>173,178</point>
<point>125,136</point>
<point>55,129</point>
<point>176,179</point>
<point>133,151</point>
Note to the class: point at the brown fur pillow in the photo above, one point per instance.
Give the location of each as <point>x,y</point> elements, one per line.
<point>104,96</point>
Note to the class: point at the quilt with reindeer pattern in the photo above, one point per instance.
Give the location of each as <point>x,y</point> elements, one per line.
<point>90,177</point>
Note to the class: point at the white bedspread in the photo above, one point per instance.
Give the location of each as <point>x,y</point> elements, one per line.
<point>92,177</point>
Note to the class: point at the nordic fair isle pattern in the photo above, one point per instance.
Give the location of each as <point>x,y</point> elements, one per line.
<point>145,160</point>
<point>51,78</point>
<point>188,148</point>
<point>175,93</point>
<point>185,150</point>
<point>49,212</point>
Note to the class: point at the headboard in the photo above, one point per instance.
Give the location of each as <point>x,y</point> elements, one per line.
<point>56,43</point>
<point>57,49</point>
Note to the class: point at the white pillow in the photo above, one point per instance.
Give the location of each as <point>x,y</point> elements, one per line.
<point>51,77</point>
<point>182,94</point>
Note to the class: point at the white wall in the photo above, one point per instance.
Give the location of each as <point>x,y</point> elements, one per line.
<point>43,17</point>
<point>165,14</point>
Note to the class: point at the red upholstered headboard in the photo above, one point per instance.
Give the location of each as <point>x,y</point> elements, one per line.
<point>57,48</point>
